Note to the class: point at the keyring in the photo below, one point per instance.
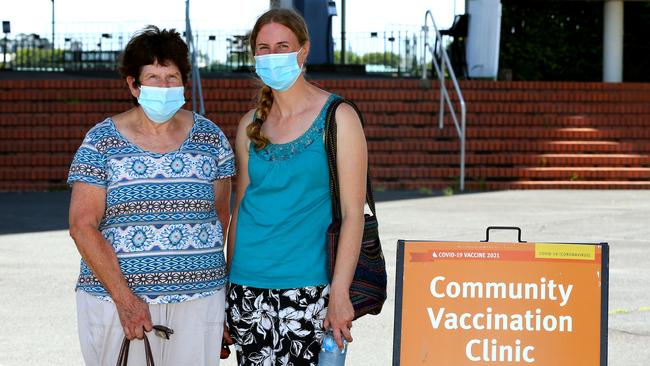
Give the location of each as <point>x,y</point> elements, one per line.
<point>163,331</point>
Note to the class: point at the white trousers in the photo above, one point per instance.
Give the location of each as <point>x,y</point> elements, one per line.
<point>197,325</point>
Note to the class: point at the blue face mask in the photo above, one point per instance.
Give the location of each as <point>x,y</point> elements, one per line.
<point>278,70</point>
<point>160,104</point>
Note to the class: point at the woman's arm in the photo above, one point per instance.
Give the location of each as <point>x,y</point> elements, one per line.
<point>222,191</point>
<point>87,206</point>
<point>242,144</point>
<point>352,162</point>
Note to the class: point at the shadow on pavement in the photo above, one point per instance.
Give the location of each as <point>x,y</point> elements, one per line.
<point>28,212</point>
<point>33,211</point>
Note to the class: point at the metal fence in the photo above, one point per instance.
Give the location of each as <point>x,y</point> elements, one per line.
<point>395,51</point>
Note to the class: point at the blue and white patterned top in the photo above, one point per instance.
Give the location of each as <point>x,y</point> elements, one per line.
<point>160,215</point>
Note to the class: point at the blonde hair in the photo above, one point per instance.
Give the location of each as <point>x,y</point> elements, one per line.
<point>297,25</point>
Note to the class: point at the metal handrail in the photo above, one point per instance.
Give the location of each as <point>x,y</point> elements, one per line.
<point>444,94</point>
<point>196,76</point>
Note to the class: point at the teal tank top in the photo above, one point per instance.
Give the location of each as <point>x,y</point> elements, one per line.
<point>284,214</point>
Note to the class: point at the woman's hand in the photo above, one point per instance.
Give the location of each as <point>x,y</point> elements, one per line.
<point>225,342</point>
<point>340,314</point>
<point>226,336</point>
<point>134,316</point>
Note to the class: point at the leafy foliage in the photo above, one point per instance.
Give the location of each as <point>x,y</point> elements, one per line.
<point>552,40</point>
<point>373,58</point>
<point>563,40</point>
<point>37,57</point>
<point>636,44</point>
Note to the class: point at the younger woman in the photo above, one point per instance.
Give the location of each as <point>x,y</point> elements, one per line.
<point>280,299</point>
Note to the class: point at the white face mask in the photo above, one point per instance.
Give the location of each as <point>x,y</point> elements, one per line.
<point>278,70</point>
<point>161,104</point>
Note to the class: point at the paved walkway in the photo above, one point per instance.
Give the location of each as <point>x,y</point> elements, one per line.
<point>38,268</point>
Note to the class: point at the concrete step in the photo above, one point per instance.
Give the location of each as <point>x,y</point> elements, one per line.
<point>415,146</point>
<point>390,107</point>
<point>499,159</point>
<point>391,134</point>
<point>430,185</point>
<point>503,133</point>
<point>532,173</point>
<point>391,173</point>
<point>511,146</point>
<point>246,94</point>
<point>359,84</point>
<point>408,160</point>
<point>372,119</point>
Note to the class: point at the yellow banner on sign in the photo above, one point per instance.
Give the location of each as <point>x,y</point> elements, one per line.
<point>565,251</point>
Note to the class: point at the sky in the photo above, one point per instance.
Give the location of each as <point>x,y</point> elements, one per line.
<point>83,21</point>
<point>99,16</point>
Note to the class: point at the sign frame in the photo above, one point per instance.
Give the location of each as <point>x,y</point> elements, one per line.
<point>399,288</point>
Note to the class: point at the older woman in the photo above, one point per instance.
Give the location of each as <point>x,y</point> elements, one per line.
<point>149,210</point>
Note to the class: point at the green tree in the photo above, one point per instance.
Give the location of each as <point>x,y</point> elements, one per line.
<point>552,40</point>
<point>350,57</point>
<point>37,57</point>
<point>381,58</point>
<point>240,58</point>
<point>636,44</point>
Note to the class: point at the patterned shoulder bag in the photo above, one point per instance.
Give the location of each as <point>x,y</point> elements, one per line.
<point>368,288</point>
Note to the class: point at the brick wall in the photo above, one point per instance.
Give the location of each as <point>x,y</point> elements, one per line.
<point>519,134</point>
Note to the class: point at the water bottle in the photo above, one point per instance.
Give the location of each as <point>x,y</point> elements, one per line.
<point>330,354</point>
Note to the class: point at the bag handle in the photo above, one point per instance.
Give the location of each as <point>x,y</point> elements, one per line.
<point>330,148</point>
<point>123,358</point>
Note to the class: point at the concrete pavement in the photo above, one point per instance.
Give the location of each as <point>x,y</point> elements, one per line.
<point>38,269</point>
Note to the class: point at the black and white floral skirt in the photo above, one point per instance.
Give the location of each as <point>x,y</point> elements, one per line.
<point>277,326</point>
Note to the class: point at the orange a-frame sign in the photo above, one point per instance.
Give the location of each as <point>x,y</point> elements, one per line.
<point>477,303</point>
